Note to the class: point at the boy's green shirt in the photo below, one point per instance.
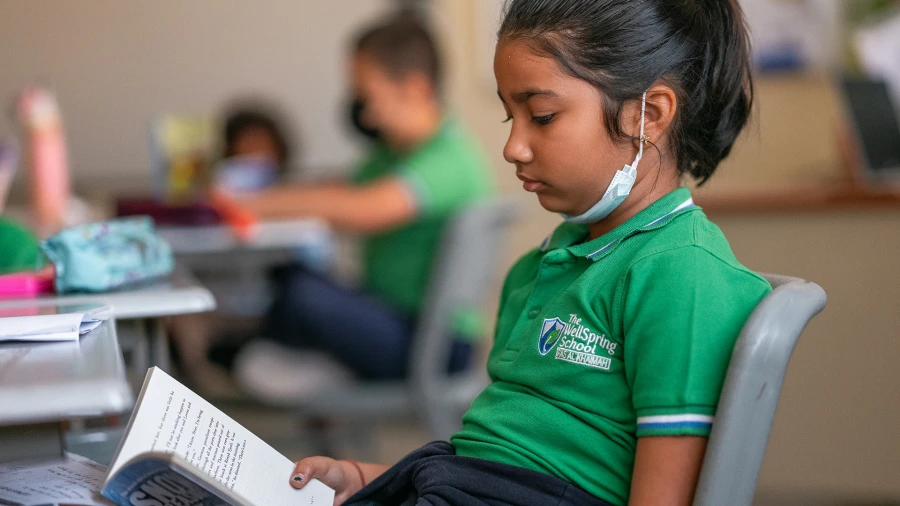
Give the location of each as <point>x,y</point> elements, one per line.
<point>443,175</point>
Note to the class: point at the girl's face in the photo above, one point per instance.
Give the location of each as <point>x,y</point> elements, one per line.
<point>256,141</point>
<point>557,141</point>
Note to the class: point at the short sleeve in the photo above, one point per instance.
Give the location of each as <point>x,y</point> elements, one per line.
<point>436,187</point>
<point>683,310</point>
<point>446,174</point>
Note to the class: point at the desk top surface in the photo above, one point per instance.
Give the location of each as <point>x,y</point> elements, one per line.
<point>177,295</point>
<point>45,382</point>
<point>267,235</point>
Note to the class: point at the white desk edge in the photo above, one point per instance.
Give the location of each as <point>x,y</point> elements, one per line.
<point>75,397</point>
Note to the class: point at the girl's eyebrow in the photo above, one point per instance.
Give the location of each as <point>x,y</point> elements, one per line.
<point>524,96</point>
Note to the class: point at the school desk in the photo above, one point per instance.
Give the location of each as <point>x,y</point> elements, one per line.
<point>44,384</point>
<point>139,311</point>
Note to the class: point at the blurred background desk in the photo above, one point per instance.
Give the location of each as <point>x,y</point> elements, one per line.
<point>236,271</point>
<point>801,199</point>
<point>274,235</point>
<point>142,307</point>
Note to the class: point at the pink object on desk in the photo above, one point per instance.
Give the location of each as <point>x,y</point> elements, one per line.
<point>26,284</point>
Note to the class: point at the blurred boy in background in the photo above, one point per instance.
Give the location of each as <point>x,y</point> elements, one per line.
<point>423,167</point>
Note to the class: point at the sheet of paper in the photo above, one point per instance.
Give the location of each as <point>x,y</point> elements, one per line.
<point>51,324</point>
<point>172,419</point>
<point>72,481</point>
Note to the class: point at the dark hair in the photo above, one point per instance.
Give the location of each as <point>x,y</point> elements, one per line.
<point>402,45</point>
<point>246,117</point>
<point>700,48</point>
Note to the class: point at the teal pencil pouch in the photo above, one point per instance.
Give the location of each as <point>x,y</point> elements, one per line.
<point>103,256</point>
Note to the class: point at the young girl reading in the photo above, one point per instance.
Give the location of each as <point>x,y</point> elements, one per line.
<point>614,335</point>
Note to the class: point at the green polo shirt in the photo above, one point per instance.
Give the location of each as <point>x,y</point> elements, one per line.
<point>443,175</point>
<point>601,342</point>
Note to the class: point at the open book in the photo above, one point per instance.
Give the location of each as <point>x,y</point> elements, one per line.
<point>51,323</point>
<point>179,449</point>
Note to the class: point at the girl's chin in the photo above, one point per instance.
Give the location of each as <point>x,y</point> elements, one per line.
<point>554,204</point>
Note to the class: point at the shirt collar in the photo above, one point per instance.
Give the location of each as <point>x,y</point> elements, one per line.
<point>657,215</point>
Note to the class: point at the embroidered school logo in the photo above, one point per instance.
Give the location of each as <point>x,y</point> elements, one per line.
<point>578,344</point>
<point>550,333</point>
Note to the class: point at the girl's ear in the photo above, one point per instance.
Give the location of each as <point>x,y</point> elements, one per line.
<point>662,104</point>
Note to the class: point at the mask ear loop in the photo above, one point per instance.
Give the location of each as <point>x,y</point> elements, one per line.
<point>643,138</point>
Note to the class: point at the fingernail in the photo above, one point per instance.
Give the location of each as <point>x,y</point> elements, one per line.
<point>297,478</point>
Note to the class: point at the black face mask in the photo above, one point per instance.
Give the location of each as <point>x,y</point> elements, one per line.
<point>357,106</point>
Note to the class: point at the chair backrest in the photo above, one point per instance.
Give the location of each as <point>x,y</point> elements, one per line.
<point>461,278</point>
<point>752,387</point>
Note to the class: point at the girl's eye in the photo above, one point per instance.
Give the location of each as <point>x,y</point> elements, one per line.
<point>507,120</point>
<point>543,120</point>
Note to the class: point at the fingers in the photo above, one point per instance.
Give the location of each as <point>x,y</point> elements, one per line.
<point>309,468</point>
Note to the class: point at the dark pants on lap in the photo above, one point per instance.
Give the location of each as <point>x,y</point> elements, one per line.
<point>434,476</point>
<point>368,336</point>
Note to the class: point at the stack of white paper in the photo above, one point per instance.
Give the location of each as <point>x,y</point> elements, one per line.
<point>37,324</point>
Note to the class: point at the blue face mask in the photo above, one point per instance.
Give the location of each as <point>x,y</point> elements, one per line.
<point>619,187</point>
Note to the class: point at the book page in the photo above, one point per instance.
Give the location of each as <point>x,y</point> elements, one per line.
<point>170,418</point>
<point>72,481</point>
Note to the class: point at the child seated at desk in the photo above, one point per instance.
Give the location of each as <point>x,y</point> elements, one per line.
<point>422,167</point>
<point>256,152</point>
<point>614,335</point>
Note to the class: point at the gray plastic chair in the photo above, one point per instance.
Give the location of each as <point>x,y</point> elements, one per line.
<point>752,387</point>
<point>466,265</point>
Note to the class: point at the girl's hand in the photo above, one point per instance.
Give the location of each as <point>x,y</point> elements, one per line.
<point>340,475</point>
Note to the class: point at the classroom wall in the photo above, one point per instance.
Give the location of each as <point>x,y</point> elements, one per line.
<point>117,65</point>
<point>836,431</point>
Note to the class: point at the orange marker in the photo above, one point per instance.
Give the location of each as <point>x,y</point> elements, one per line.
<point>241,220</point>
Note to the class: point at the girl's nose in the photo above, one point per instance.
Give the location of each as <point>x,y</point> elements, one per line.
<point>517,151</point>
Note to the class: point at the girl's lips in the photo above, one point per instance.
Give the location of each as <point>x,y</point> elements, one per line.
<point>530,185</point>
